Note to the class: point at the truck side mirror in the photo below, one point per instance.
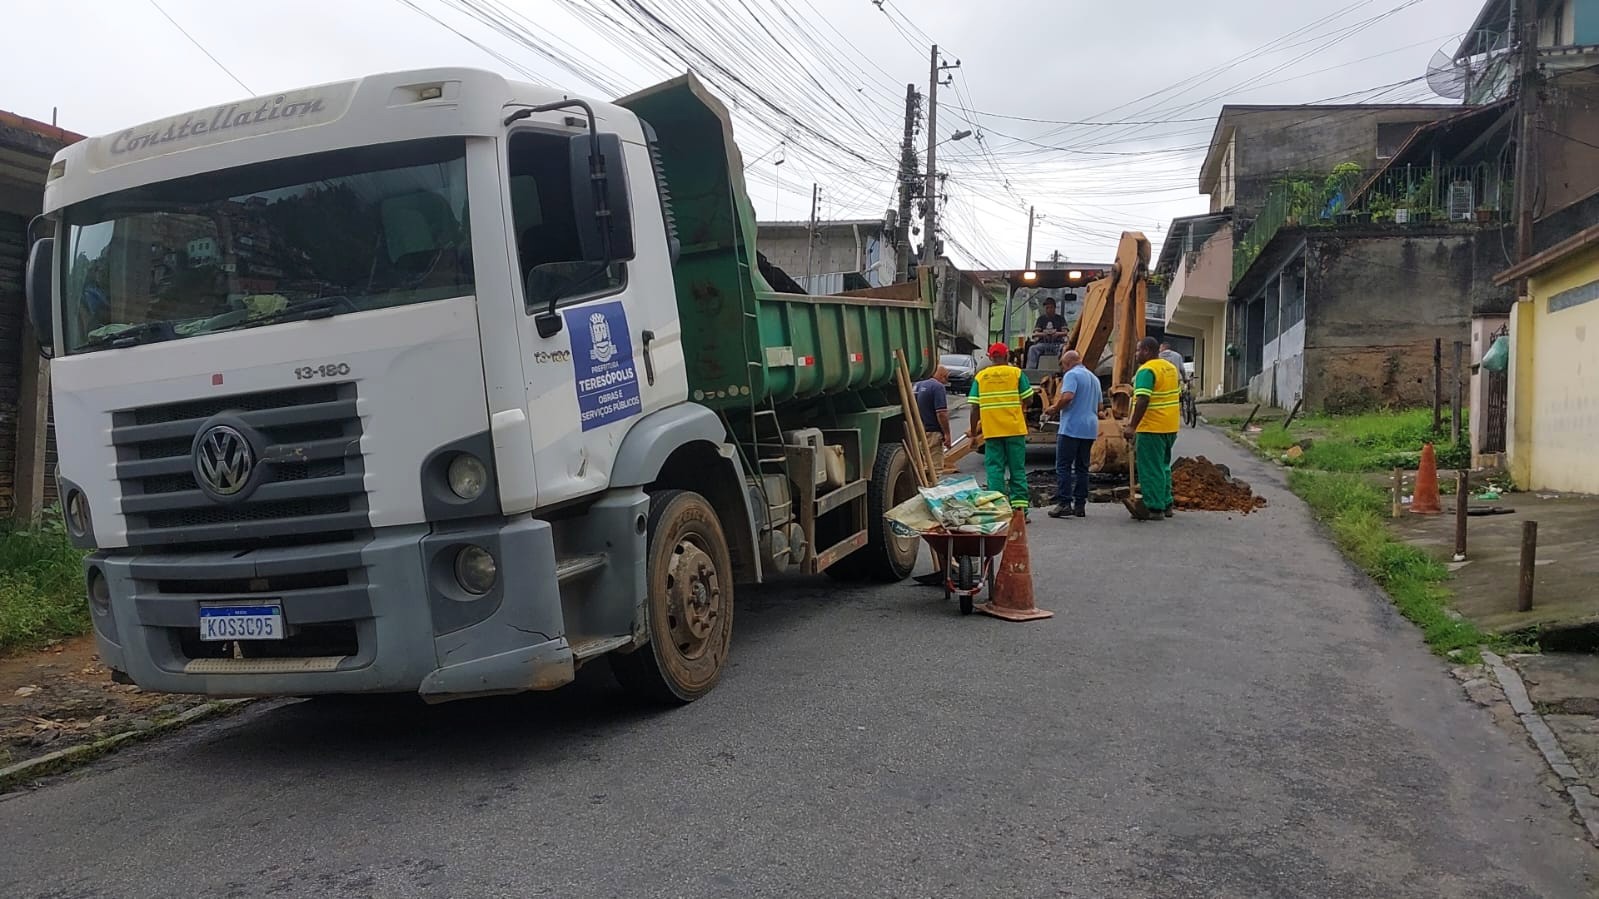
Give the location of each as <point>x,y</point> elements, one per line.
<point>600,199</point>
<point>39,282</point>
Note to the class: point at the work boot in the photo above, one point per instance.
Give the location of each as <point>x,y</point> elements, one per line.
<point>1081,511</point>
<point>1167,512</point>
<point>1059,510</point>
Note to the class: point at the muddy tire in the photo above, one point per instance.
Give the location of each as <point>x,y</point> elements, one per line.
<point>689,607</point>
<point>886,558</point>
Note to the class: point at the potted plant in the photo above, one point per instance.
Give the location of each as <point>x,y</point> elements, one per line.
<point>1381,208</point>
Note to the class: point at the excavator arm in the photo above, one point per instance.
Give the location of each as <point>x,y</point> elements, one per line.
<point>1115,306</point>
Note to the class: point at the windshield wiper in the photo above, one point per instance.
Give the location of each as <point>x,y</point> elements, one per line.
<point>304,310</point>
<point>144,332</point>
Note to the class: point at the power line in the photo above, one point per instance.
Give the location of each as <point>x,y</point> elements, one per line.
<point>201,47</point>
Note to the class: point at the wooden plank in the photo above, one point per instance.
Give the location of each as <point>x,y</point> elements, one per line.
<point>915,438</point>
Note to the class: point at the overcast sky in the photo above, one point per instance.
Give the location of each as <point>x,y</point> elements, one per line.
<point>818,84</point>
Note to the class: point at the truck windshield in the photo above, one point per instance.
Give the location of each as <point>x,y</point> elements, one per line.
<point>344,231</point>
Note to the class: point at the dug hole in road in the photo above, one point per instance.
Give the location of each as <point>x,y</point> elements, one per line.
<point>1221,707</point>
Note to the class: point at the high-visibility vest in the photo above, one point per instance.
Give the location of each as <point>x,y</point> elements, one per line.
<point>998,392</point>
<point>1157,379</point>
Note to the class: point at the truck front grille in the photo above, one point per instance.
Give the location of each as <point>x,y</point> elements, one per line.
<point>307,441</point>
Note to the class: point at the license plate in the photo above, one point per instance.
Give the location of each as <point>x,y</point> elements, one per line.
<point>241,622</point>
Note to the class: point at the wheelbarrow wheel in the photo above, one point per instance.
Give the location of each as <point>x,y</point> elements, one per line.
<point>967,580</point>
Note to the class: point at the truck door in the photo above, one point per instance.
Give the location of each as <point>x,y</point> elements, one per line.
<point>619,353</point>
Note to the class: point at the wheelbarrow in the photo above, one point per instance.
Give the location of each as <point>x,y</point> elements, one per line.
<point>970,562</point>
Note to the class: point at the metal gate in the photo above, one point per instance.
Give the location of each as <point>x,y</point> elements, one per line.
<point>1496,392</point>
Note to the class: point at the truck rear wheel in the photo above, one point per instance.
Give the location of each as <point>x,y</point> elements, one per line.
<point>887,557</point>
<point>689,607</point>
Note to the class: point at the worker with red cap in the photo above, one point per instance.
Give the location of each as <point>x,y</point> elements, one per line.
<point>997,397</point>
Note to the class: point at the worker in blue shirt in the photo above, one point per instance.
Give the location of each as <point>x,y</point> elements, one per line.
<point>1078,405</point>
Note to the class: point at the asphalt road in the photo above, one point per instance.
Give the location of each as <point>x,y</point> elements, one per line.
<point>1221,708</point>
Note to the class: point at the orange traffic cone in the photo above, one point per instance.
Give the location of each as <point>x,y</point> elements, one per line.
<point>1012,596</point>
<point>1425,502</point>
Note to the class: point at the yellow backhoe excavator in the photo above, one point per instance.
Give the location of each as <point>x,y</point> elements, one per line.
<point>1113,307</point>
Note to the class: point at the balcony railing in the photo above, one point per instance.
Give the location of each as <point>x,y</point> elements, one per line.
<point>1400,195</point>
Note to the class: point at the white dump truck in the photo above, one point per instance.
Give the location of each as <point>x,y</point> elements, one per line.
<point>436,382</point>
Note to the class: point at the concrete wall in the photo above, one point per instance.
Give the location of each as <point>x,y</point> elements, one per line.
<point>786,244</point>
<point>1374,304</point>
<point>1273,142</point>
<point>1554,379</point>
<point>1566,146</point>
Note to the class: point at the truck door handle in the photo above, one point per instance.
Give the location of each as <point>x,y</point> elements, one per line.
<point>649,363</point>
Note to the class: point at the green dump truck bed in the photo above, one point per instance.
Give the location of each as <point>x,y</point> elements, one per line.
<point>746,343</point>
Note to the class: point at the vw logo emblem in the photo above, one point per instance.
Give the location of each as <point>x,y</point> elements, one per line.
<point>223,460</point>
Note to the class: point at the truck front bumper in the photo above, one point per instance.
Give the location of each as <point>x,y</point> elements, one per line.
<point>381,613</point>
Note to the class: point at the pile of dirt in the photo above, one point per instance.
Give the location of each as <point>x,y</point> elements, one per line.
<point>1200,485</point>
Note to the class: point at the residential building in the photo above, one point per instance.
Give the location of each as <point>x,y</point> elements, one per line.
<point>837,256</point>
<point>1553,396</point>
<point>1253,147</point>
<point>1195,267</point>
<point>27,445</point>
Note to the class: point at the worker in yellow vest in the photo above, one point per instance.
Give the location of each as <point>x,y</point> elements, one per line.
<point>1157,392</point>
<point>997,395</point>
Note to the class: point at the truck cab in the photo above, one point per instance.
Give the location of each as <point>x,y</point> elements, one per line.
<point>383,386</point>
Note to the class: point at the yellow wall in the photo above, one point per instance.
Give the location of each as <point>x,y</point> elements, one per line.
<point>1554,426</point>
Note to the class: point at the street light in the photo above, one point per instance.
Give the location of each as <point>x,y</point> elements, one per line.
<point>959,135</point>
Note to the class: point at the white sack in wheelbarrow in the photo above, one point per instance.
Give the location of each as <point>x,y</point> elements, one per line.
<point>958,505</point>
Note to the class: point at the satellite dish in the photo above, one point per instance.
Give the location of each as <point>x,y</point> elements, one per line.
<point>1453,76</point>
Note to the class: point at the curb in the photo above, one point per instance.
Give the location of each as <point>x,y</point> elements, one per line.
<point>1581,797</point>
<point>63,759</point>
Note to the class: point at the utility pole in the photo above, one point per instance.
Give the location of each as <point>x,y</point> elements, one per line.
<point>907,185</point>
<point>930,193</point>
<point>1526,110</point>
<point>810,237</point>
<point>1027,263</point>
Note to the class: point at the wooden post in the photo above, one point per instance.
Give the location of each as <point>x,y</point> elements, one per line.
<point>1457,401</point>
<point>1437,384</point>
<point>1251,419</point>
<point>1529,561</point>
<point>33,425</point>
<point>1462,492</point>
<point>1399,492</point>
<point>1298,401</point>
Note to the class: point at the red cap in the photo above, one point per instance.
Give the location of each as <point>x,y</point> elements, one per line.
<point>999,349</point>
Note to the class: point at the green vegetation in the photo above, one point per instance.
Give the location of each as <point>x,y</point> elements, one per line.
<point>41,586</point>
<point>1353,509</point>
<point>1372,441</point>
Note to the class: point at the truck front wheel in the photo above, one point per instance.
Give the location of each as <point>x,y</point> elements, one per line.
<point>689,607</point>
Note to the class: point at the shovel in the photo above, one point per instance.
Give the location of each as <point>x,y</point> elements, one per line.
<point>1134,501</point>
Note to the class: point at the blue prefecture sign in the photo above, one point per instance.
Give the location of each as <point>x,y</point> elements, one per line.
<point>602,364</point>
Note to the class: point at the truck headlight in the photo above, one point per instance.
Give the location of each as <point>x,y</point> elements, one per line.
<point>77,509</point>
<point>475,569</point>
<point>467,476</point>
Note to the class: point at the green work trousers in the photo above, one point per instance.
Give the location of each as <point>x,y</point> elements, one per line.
<point>1152,454</point>
<point>1005,455</point>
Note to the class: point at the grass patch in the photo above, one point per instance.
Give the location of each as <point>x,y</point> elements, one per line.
<point>1353,509</point>
<point>1371,441</point>
<point>41,586</point>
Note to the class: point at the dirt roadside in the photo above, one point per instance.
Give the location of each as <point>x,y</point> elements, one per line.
<point>62,696</point>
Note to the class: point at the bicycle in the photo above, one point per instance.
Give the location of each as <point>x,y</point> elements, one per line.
<point>1189,407</point>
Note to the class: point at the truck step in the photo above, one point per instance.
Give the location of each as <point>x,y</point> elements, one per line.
<point>589,647</point>
<point>576,566</point>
